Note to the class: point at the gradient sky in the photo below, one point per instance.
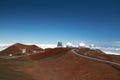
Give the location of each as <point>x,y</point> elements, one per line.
<point>49,21</point>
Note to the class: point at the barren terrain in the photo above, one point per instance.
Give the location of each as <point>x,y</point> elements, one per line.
<point>57,64</point>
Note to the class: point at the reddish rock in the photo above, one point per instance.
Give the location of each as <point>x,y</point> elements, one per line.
<point>16,49</point>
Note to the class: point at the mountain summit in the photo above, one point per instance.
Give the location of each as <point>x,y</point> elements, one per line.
<point>16,49</point>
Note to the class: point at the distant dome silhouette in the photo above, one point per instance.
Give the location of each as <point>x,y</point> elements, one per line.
<point>59,44</point>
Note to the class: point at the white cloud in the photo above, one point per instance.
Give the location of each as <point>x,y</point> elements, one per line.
<point>4,46</point>
<point>110,47</point>
<point>43,45</point>
<point>114,43</point>
<point>114,53</point>
<point>46,45</point>
<point>110,50</point>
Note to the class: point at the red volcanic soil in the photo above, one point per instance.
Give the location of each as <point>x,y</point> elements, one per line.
<point>8,71</point>
<point>96,54</point>
<point>50,53</point>
<point>16,49</point>
<point>71,67</point>
<point>48,49</point>
<point>47,54</point>
<point>115,56</point>
<point>66,67</point>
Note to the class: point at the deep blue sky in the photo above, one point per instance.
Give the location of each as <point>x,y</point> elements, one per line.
<point>48,21</point>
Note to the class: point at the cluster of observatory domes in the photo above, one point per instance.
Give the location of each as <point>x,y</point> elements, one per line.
<point>70,45</point>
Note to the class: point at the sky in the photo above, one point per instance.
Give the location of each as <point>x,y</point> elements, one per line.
<point>50,21</point>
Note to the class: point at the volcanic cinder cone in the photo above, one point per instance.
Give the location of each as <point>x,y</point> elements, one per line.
<point>16,49</point>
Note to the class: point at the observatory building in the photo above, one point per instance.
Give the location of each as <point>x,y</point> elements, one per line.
<point>59,45</point>
<point>23,51</point>
<point>10,55</point>
<point>81,45</point>
<point>69,45</point>
<point>92,46</point>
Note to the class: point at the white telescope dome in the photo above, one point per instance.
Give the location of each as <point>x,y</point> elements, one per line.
<point>82,44</point>
<point>69,44</point>
<point>92,46</point>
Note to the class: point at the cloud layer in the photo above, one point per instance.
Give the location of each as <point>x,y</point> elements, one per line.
<point>113,49</point>
<point>116,43</point>
<point>4,46</point>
